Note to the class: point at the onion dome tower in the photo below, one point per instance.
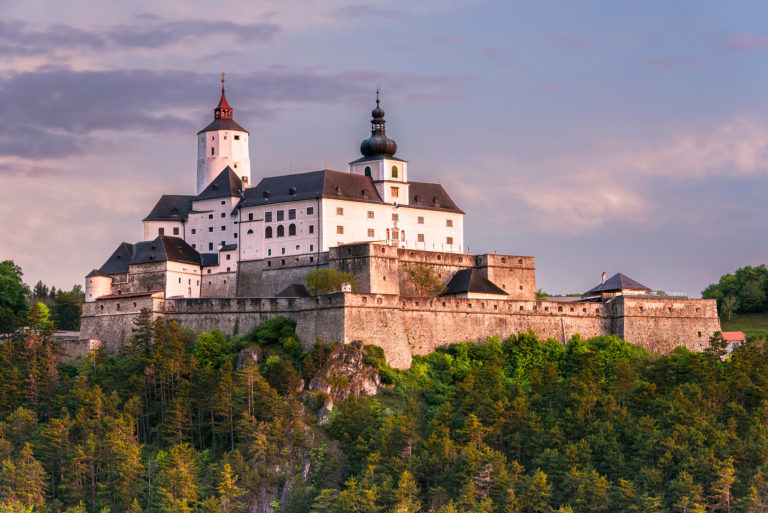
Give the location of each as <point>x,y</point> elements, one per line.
<point>378,144</point>
<point>222,143</point>
<point>389,173</point>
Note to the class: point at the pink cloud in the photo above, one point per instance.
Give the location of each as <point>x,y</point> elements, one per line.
<point>742,42</point>
<point>566,41</point>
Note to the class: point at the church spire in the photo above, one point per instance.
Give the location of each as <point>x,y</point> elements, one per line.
<point>378,144</point>
<point>222,110</point>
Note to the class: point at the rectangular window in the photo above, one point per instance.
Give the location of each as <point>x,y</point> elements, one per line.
<point>310,211</point>
<point>210,228</point>
<point>282,251</point>
<point>223,228</point>
<point>227,271</point>
<point>311,228</point>
<point>269,252</point>
<point>267,217</point>
<point>210,246</point>
<point>161,231</point>
<point>210,216</point>
<point>420,220</point>
<point>281,215</point>
<point>223,214</point>
<point>298,248</point>
<point>339,229</point>
<point>395,235</point>
<point>292,213</point>
<point>449,240</point>
<point>194,246</point>
<point>237,138</point>
<point>311,247</point>
<point>235,234</point>
<point>420,237</point>
<point>176,230</point>
<point>223,202</point>
<point>194,231</point>
<point>370,232</point>
<point>449,223</point>
<point>395,217</point>
<point>370,214</point>
<point>394,191</point>
<point>228,257</point>
<point>250,216</point>
<point>339,211</point>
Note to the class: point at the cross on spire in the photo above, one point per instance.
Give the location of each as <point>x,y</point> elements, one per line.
<point>222,110</point>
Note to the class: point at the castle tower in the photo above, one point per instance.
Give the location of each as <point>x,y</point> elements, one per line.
<point>389,173</point>
<point>222,143</point>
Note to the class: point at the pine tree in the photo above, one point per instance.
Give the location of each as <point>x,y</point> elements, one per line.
<point>228,491</point>
<point>23,478</point>
<point>407,495</point>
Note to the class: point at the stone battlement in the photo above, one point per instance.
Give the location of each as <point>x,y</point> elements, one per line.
<point>406,326</point>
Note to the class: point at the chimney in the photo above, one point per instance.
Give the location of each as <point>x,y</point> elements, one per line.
<point>603,277</point>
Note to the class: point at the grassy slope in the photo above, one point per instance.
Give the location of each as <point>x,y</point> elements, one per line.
<point>753,325</point>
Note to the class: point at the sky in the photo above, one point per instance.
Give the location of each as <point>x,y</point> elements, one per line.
<point>595,135</point>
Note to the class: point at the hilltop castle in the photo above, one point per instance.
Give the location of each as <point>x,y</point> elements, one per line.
<point>235,254</point>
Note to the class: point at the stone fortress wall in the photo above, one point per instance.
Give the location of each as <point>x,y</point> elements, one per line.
<point>404,325</point>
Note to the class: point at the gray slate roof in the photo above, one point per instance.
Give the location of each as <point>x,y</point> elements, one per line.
<point>163,248</point>
<point>616,283</point>
<point>470,280</point>
<point>294,290</point>
<point>171,207</point>
<point>223,124</point>
<point>225,185</point>
<point>209,259</point>
<point>337,184</point>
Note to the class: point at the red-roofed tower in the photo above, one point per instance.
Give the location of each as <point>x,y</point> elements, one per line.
<point>222,143</point>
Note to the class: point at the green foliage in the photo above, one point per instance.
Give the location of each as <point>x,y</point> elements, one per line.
<point>13,297</point>
<point>423,279</point>
<point>327,281</point>
<point>209,350</point>
<point>506,426</point>
<point>66,310</point>
<point>39,317</point>
<point>741,292</point>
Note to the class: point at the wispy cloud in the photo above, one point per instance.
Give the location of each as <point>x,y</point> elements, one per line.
<point>367,11</point>
<point>617,181</point>
<point>22,39</point>
<point>742,42</point>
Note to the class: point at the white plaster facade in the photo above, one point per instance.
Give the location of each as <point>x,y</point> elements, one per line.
<point>218,149</point>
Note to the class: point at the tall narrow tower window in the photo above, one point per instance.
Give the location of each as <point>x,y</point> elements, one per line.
<point>367,170</point>
<point>394,171</point>
<point>213,151</point>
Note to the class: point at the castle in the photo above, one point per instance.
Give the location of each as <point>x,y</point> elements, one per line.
<point>235,254</point>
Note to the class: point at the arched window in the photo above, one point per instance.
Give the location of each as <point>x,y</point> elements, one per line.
<point>251,231</point>
<point>281,231</point>
<point>394,171</point>
<point>292,229</point>
<point>367,170</point>
<point>268,232</point>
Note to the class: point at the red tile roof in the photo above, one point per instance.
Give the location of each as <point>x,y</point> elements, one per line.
<point>734,336</point>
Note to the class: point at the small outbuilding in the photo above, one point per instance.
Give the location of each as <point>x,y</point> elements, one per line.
<point>619,285</point>
<point>470,283</point>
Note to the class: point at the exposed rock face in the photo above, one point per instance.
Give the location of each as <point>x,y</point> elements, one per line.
<point>252,353</point>
<point>346,373</point>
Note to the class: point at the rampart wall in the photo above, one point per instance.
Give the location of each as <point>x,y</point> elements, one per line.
<point>405,326</point>
<point>111,320</point>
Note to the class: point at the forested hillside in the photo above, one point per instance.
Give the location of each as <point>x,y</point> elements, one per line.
<point>744,291</point>
<point>183,423</point>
